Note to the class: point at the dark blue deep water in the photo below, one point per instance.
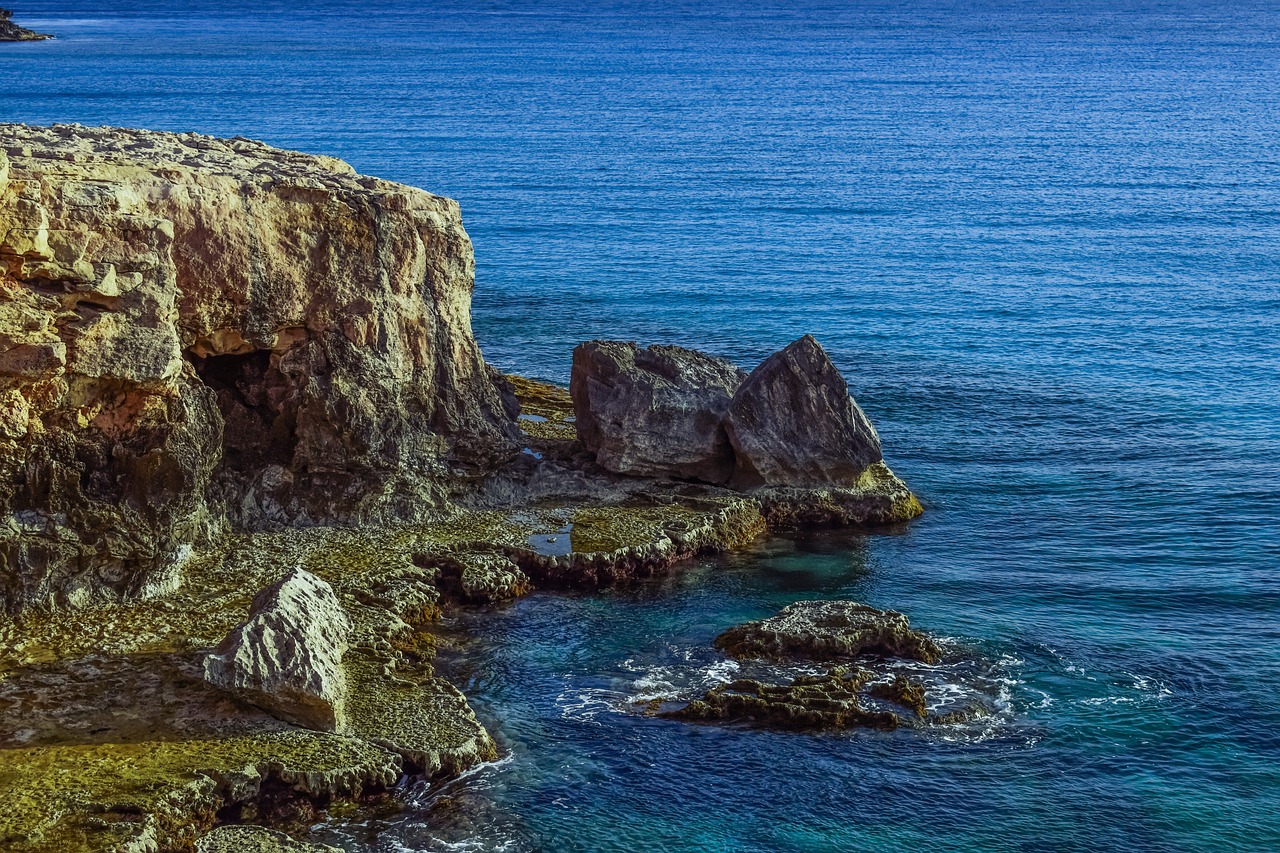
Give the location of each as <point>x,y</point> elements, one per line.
<point>1041,238</point>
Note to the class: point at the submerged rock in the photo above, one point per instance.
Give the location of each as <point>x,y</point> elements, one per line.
<point>793,423</point>
<point>829,630</point>
<point>807,703</point>
<point>287,656</point>
<point>9,31</point>
<point>655,412</point>
<point>902,691</point>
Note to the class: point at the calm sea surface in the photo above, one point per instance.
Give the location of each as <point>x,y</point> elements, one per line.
<point>1041,238</point>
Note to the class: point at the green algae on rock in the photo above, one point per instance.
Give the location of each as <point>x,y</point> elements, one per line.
<point>807,703</point>
<point>829,630</point>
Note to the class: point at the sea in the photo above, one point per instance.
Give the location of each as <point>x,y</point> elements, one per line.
<point>1042,241</point>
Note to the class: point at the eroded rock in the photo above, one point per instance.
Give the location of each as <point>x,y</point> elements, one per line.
<point>793,423</point>
<point>195,330</point>
<point>808,703</point>
<point>287,656</point>
<point>829,631</point>
<point>655,412</point>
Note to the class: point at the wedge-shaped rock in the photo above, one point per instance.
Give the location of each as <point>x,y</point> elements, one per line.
<point>829,631</point>
<point>287,656</point>
<point>793,423</point>
<point>656,412</point>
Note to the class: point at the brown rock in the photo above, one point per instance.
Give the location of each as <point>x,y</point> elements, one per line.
<point>829,631</point>
<point>655,412</point>
<point>793,423</point>
<point>194,329</point>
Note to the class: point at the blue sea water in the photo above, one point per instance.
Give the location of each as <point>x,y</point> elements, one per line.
<point>1041,238</point>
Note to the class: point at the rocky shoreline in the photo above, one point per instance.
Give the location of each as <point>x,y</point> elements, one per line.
<point>250,451</point>
<point>9,31</point>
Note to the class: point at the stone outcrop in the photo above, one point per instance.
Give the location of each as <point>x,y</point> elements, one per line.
<point>793,423</point>
<point>196,330</point>
<point>655,412</point>
<point>287,656</point>
<point>674,413</point>
<point>829,631</point>
<point>9,31</point>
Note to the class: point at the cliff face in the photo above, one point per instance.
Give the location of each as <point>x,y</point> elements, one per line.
<point>195,331</point>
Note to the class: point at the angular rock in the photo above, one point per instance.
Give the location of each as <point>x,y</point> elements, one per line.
<point>829,631</point>
<point>808,703</point>
<point>793,423</point>
<point>195,330</point>
<point>655,412</point>
<point>287,656</point>
<point>9,31</point>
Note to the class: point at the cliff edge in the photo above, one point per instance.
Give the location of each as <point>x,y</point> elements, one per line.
<point>196,333</point>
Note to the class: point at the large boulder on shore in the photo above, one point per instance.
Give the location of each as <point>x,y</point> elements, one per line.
<point>793,423</point>
<point>195,330</point>
<point>286,657</point>
<point>829,631</point>
<point>655,412</point>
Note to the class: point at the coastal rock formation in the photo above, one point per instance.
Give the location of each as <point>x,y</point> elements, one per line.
<point>287,656</point>
<point>195,329</point>
<point>670,412</point>
<point>808,703</point>
<point>9,31</point>
<point>479,578</point>
<point>828,631</point>
<point>793,423</point>
<point>655,412</point>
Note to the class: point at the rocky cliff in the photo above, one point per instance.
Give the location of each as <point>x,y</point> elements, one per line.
<point>9,31</point>
<point>198,332</point>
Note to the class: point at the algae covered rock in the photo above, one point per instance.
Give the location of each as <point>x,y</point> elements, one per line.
<point>793,423</point>
<point>807,703</point>
<point>829,630</point>
<point>479,578</point>
<point>287,656</point>
<point>242,838</point>
<point>655,412</point>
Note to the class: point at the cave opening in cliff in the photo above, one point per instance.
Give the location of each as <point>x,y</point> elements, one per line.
<point>253,396</point>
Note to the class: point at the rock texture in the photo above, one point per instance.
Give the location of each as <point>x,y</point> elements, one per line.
<point>793,423</point>
<point>9,31</point>
<point>829,631</point>
<point>674,413</point>
<point>655,412</point>
<point>194,330</point>
<point>807,703</point>
<point>287,656</point>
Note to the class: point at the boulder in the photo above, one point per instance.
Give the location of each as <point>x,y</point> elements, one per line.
<point>793,423</point>
<point>655,412</point>
<point>287,656</point>
<point>829,631</point>
<point>9,31</point>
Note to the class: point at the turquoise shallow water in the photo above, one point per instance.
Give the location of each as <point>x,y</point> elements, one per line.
<point>1041,241</point>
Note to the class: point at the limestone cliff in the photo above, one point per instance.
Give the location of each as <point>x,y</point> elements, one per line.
<point>197,331</point>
